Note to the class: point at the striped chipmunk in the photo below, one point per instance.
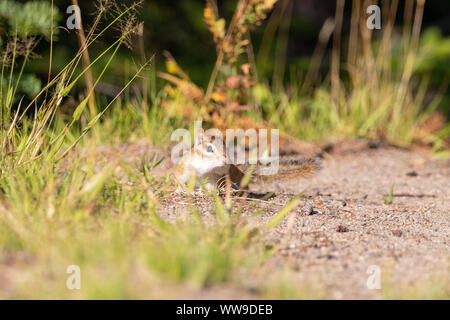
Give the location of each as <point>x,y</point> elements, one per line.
<point>208,161</point>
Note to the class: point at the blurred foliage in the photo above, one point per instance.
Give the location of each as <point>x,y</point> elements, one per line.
<point>433,56</point>
<point>192,34</point>
<point>179,27</point>
<point>433,61</point>
<point>23,22</point>
<point>29,84</point>
<point>226,94</point>
<point>29,19</point>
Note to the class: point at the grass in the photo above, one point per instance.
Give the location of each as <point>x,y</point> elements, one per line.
<point>370,91</point>
<point>389,198</point>
<point>378,100</point>
<point>73,214</point>
<point>62,205</point>
<point>431,287</point>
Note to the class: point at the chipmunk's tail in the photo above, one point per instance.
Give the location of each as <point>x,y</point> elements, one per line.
<point>288,168</point>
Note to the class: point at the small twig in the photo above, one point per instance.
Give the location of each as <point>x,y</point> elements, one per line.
<point>420,195</point>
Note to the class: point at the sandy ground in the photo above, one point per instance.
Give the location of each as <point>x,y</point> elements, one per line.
<point>343,225</point>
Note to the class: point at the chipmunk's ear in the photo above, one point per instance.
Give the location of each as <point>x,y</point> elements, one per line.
<point>199,136</point>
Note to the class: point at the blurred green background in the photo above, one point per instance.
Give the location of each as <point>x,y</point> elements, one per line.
<point>178,27</point>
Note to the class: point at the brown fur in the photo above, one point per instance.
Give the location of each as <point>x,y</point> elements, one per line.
<point>197,162</point>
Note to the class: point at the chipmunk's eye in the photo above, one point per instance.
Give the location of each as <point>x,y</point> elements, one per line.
<point>209,148</point>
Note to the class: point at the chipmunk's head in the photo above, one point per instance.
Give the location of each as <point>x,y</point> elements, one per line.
<point>209,153</point>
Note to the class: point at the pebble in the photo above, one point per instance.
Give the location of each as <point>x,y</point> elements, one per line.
<point>314,211</point>
<point>412,174</point>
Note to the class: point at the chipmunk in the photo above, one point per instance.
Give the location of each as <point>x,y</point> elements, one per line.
<point>207,161</point>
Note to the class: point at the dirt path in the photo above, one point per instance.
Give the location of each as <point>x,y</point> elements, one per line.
<point>346,226</point>
<point>343,224</point>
